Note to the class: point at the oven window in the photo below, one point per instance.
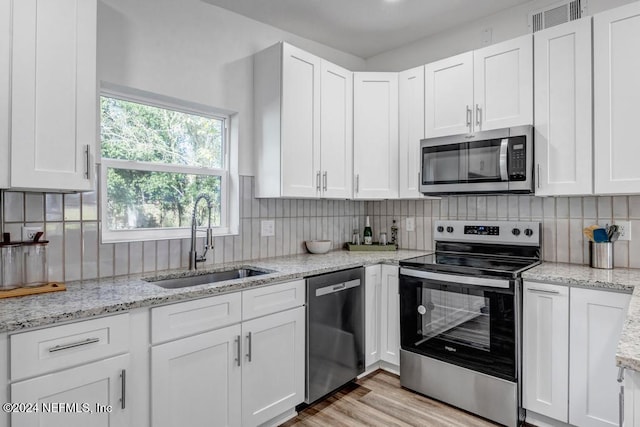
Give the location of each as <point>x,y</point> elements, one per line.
<point>441,164</point>
<point>484,161</point>
<point>459,318</point>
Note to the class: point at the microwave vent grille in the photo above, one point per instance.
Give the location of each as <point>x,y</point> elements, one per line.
<point>557,14</point>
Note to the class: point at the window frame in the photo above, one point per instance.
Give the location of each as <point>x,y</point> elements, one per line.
<point>228,173</point>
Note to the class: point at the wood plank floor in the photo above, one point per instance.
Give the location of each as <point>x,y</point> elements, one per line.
<point>378,400</point>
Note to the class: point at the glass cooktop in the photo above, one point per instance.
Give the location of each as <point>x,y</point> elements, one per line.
<point>486,265</point>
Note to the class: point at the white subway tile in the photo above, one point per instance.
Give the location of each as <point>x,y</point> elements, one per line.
<point>492,207</point>
<point>503,207</point>
<point>72,252</point>
<point>621,254</point>
<point>121,259</point>
<point>13,207</point>
<point>536,208</point>
<point>620,207</point>
<point>219,251</point>
<point>562,239</point>
<point>89,250</point>
<point>105,254</point>
<point>228,249</point>
<point>514,207</point>
<point>589,207</point>
<point>245,229</point>
<point>562,207</point>
<point>149,256</point>
<point>279,237</point>
<point>549,207</point>
<point>135,257</point>
<point>605,209</point>
<point>576,241</point>
<point>90,206</point>
<point>575,207</point>
<point>549,240</point>
<point>53,207</point>
<point>481,207</point>
<point>175,253</point>
<point>524,208</point>
<point>255,238</point>
<point>54,232</point>
<point>72,207</point>
<point>162,250</point>
<point>634,245</point>
<point>472,207</point>
<point>34,207</point>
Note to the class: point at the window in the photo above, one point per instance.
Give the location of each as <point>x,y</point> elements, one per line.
<point>155,161</point>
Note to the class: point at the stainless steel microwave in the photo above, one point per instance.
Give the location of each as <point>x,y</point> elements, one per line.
<point>494,161</point>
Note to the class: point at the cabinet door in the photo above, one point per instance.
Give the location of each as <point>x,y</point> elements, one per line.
<point>375,135</point>
<point>411,131</point>
<point>595,326</point>
<point>196,380</point>
<point>76,397</point>
<point>563,109</point>
<point>372,296</point>
<point>300,155</point>
<point>503,84</point>
<point>390,321</point>
<point>273,367</point>
<point>336,124</point>
<point>545,350</point>
<point>616,66</point>
<point>5,91</point>
<point>449,96</point>
<point>54,94</point>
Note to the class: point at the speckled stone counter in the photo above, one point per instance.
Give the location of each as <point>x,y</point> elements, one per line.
<point>618,279</point>
<point>93,298</point>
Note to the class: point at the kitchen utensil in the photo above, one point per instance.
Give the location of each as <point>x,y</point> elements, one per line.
<point>601,255</point>
<point>588,231</point>
<point>600,235</point>
<point>318,246</point>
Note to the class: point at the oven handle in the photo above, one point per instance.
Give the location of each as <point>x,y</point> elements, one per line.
<point>455,279</point>
<point>504,173</point>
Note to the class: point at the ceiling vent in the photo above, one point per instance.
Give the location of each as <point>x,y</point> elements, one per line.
<point>556,14</point>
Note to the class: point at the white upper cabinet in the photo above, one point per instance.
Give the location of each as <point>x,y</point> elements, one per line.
<point>503,84</point>
<point>54,94</point>
<point>375,135</point>
<point>486,89</point>
<point>303,125</point>
<point>411,130</point>
<point>5,90</point>
<point>563,109</point>
<point>336,131</point>
<point>449,96</point>
<point>616,36</point>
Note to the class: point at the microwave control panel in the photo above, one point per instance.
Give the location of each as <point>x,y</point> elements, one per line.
<point>517,159</point>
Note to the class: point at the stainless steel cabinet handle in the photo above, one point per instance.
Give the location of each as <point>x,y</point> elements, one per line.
<point>469,113</point>
<point>318,181</point>
<point>249,346</point>
<point>478,114</point>
<point>357,183</point>
<point>620,374</point>
<point>123,385</point>
<point>538,175</point>
<point>238,339</point>
<point>544,291</point>
<point>621,397</point>
<point>324,181</point>
<point>87,156</point>
<point>73,344</point>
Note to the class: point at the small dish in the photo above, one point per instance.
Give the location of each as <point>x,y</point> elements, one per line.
<point>318,246</point>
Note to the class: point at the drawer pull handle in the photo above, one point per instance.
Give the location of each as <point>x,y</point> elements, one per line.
<point>544,291</point>
<point>73,345</point>
<point>249,346</point>
<point>123,385</point>
<point>238,339</point>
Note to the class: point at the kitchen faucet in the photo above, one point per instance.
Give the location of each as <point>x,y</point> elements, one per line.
<point>194,259</point>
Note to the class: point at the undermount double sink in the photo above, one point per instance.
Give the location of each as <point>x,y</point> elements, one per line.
<point>206,278</point>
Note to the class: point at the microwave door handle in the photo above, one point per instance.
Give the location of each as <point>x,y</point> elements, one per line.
<point>504,173</point>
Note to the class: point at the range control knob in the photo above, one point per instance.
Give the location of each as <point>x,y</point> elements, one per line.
<point>440,229</point>
<point>449,229</point>
<point>515,231</point>
<point>528,232</point>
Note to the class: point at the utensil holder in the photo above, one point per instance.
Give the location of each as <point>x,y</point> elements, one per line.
<point>601,255</point>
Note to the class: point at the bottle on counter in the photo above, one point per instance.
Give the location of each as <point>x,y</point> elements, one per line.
<point>368,234</point>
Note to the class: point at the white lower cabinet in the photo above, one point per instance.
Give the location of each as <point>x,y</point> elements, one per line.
<point>545,350</point>
<point>273,366</point>
<point>595,325</point>
<point>243,373</point>
<point>197,380</point>
<point>631,404</point>
<point>88,395</point>
<point>390,319</point>
<point>372,295</point>
<point>569,347</point>
<point>382,317</point>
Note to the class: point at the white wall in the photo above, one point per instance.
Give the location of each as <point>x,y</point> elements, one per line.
<point>505,25</point>
<point>194,51</point>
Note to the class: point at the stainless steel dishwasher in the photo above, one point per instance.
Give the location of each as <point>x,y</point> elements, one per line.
<point>335,331</point>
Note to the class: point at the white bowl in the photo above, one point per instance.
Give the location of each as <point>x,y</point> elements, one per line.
<point>318,246</point>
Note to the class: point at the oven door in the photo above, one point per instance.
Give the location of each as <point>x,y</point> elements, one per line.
<point>466,321</point>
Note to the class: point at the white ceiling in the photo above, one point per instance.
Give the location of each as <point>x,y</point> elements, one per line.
<point>365,28</point>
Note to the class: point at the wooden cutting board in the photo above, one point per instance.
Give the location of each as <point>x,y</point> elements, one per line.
<point>21,292</point>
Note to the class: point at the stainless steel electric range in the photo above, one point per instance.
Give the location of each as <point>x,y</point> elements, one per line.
<point>460,316</point>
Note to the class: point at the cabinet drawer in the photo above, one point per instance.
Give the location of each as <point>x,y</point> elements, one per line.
<point>271,299</point>
<point>46,350</point>
<point>188,318</point>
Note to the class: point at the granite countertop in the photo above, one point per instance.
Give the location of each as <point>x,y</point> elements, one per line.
<point>618,279</point>
<point>97,297</point>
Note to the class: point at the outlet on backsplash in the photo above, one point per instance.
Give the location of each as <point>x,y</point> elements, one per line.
<point>411,224</point>
<point>28,233</point>
<point>624,227</point>
<point>267,228</point>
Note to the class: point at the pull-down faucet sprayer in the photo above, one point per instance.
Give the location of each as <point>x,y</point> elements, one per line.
<point>194,259</point>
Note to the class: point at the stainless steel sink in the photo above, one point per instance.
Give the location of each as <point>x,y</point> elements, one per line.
<point>201,279</point>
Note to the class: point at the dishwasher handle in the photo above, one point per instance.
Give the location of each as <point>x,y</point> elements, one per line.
<point>337,287</point>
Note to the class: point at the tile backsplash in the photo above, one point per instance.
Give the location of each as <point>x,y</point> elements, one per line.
<point>563,219</point>
<point>72,226</point>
